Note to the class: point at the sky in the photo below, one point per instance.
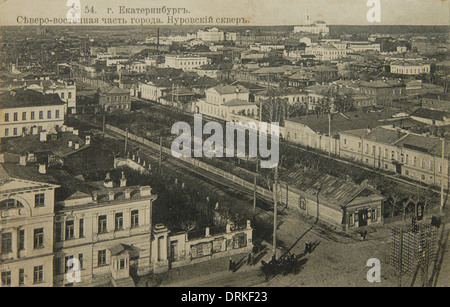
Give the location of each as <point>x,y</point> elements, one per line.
<point>258,12</point>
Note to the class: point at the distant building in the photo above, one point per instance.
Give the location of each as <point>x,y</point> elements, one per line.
<point>223,101</point>
<point>313,131</point>
<point>385,91</point>
<point>66,90</point>
<point>410,68</point>
<point>363,47</point>
<point>114,98</point>
<point>317,27</point>
<point>436,101</point>
<point>431,117</point>
<point>29,112</point>
<point>327,52</point>
<point>185,62</point>
<point>211,35</point>
<point>414,156</point>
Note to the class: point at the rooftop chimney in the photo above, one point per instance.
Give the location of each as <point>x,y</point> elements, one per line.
<point>42,168</point>
<point>88,140</point>
<point>146,190</point>
<point>111,195</point>
<point>127,193</point>
<point>22,160</point>
<point>70,144</point>
<point>77,145</point>
<point>207,232</point>
<point>123,180</point>
<point>108,182</point>
<point>43,136</point>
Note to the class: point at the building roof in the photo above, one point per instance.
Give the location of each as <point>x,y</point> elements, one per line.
<point>28,173</point>
<point>238,102</point>
<point>336,191</point>
<point>230,89</point>
<point>112,90</point>
<point>430,114</point>
<point>344,122</point>
<point>57,145</point>
<point>28,98</point>
<point>443,96</point>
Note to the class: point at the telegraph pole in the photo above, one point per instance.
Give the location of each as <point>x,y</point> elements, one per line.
<point>160,154</point>
<point>126,141</point>
<point>329,133</point>
<point>442,176</point>
<point>275,203</point>
<point>254,191</point>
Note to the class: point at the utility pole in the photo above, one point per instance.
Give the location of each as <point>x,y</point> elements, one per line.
<point>160,154</point>
<point>126,141</point>
<point>275,203</point>
<point>254,191</point>
<point>329,133</point>
<point>104,125</point>
<point>442,176</point>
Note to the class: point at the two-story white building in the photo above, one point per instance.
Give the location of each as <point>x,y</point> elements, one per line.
<point>30,112</point>
<point>185,62</point>
<point>223,101</point>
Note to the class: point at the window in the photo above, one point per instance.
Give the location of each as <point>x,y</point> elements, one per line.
<point>6,117</point>
<point>102,224</point>
<point>49,114</point>
<point>24,115</point>
<point>16,117</point>
<point>41,114</point>
<point>70,95</point>
<point>15,131</point>
<point>39,238</point>
<point>81,228</point>
<point>135,218</point>
<point>38,275</point>
<point>406,159</point>
<point>21,244</point>
<point>415,161</point>
<point>119,221</point>
<point>122,264</point>
<point>39,200</point>
<point>70,234</point>
<point>68,263</point>
<point>6,242</point>
<point>6,279</point>
<point>57,114</point>
<point>374,215</point>
<point>32,116</point>
<point>351,220</point>
<point>62,95</point>
<point>6,132</point>
<point>21,277</point>
<point>102,257</point>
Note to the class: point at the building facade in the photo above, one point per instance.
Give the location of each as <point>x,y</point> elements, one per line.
<point>114,98</point>
<point>26,227</point>
<point>185,62</point>
<point>27,112</point>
